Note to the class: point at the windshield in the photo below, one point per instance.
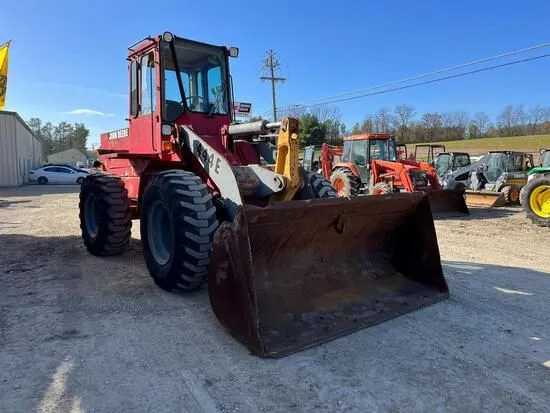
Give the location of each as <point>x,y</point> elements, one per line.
<point>383,149</point>
<point>203,73</point>
<point>545,159</point>
<point>443,164</point>
<point>495,166</point>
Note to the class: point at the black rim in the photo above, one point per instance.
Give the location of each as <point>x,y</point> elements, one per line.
<point>159,233</point>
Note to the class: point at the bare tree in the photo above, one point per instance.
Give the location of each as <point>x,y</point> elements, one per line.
<point>536,115</point>
<point>382,120</point>
<point>519,119</point>
<point>481,120</point>
<point>505,121</point>
<point>295,111</point>
<point>325,112</point>
<point>447,121</point>
<point>461,120</point>
<point>432,125</point>
<point>368,125</point>
<point>403,114</point>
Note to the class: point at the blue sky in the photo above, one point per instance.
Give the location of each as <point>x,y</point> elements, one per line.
<point>68,56</point>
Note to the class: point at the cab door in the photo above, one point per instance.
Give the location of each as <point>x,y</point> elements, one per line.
<point>359,156</point>
<point>144,116</point>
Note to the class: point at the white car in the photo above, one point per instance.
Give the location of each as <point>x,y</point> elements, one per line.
<point>55,174</point>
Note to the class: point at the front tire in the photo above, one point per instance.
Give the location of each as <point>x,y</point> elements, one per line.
<point>536,200</point>
<point>315,186</point>
<point>42,180</point>
<point>178,223</point>
<point>105,218</point>
<point>345,182</point>
<point>511,195</point>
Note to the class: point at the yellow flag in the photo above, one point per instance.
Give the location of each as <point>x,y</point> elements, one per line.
<point>3,74</point>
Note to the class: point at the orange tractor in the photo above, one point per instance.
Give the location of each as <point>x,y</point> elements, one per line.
<point>215,206</point>
<point>372,164</point>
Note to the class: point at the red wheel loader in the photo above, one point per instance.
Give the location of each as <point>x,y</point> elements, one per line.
<point>370,164</point>
<point>288,264</point>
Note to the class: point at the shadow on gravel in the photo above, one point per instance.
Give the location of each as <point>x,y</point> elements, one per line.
<point>479,213</point>
<point>4,203</point>
<point>96,334</point>
<point>38,190</point>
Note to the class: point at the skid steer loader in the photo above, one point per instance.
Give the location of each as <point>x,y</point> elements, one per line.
<point>499,180</point>
<point>288,264</point>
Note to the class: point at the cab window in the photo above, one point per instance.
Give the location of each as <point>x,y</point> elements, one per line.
<point>359,152</point>
<point>148,101</point>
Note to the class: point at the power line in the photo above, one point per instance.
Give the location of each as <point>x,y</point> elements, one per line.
<point>436,72</point>
<point>271,64</point>
<point>423,75</point>
<point>422,83</point>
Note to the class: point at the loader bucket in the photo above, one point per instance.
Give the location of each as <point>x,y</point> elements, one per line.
<point>298,273</point>
<point>485,199</point>
<point>448,201</point>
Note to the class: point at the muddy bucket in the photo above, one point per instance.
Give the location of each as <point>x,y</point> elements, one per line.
<point>299,273</point>
<point>485,199</point>
<point>448,202</point>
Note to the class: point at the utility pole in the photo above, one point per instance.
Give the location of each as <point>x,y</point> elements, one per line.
<point>271,64</point>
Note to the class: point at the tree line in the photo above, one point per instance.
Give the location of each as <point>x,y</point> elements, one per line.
<point>324,124</point>
<point>456,125</point>
<point>59,137</point>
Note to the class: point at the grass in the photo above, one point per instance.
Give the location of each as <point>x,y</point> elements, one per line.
<point>512,143</point>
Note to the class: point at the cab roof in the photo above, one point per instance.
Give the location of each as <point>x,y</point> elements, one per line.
<point>364,136</point>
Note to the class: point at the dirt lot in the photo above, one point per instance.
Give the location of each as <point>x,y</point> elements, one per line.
<point>83,334</point>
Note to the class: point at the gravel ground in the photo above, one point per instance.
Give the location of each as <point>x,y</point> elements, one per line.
<point>83,334</point>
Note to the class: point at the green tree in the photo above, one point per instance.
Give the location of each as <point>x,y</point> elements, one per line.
<point>313,131</point>
<point>356,129</point>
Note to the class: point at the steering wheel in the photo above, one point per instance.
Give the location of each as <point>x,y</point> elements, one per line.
<point>188,100</point>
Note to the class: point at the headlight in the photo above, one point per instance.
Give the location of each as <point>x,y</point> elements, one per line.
<point>167,37</point>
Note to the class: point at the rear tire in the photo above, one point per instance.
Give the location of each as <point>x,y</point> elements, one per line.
<point>105,218</point>
<point>316,186</point>
<point>533,197</point>
<point>42,180</point>
<point>80,180</point>
<point>178,223</point>
<point>345,182</point>
<point>511,195</point>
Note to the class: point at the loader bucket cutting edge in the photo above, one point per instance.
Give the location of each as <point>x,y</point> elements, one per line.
<point>448,201</point>
<point>299,273</point>
<point>485,199</point>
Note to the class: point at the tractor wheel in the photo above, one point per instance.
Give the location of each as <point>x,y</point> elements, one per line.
<point>511,195</point>
<point>178,222</point>
<point>536,200</point>
<point>105,218</point>
<point>345,182</point>
<point>381,188</point>
<point>316,186</point>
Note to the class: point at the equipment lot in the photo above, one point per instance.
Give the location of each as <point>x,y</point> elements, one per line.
<point>84,334</point>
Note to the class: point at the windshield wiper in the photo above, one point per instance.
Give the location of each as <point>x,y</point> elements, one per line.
<point>218,100</point>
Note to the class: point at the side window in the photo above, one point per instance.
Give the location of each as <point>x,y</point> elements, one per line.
<point>347,151</point>
<point>133,89</point>
<point>359,152</point>
<point>64,170</point>
<point>148,101</point>
<point>50,169</point>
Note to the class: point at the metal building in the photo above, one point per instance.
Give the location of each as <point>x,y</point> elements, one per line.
<point>20,150</point>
